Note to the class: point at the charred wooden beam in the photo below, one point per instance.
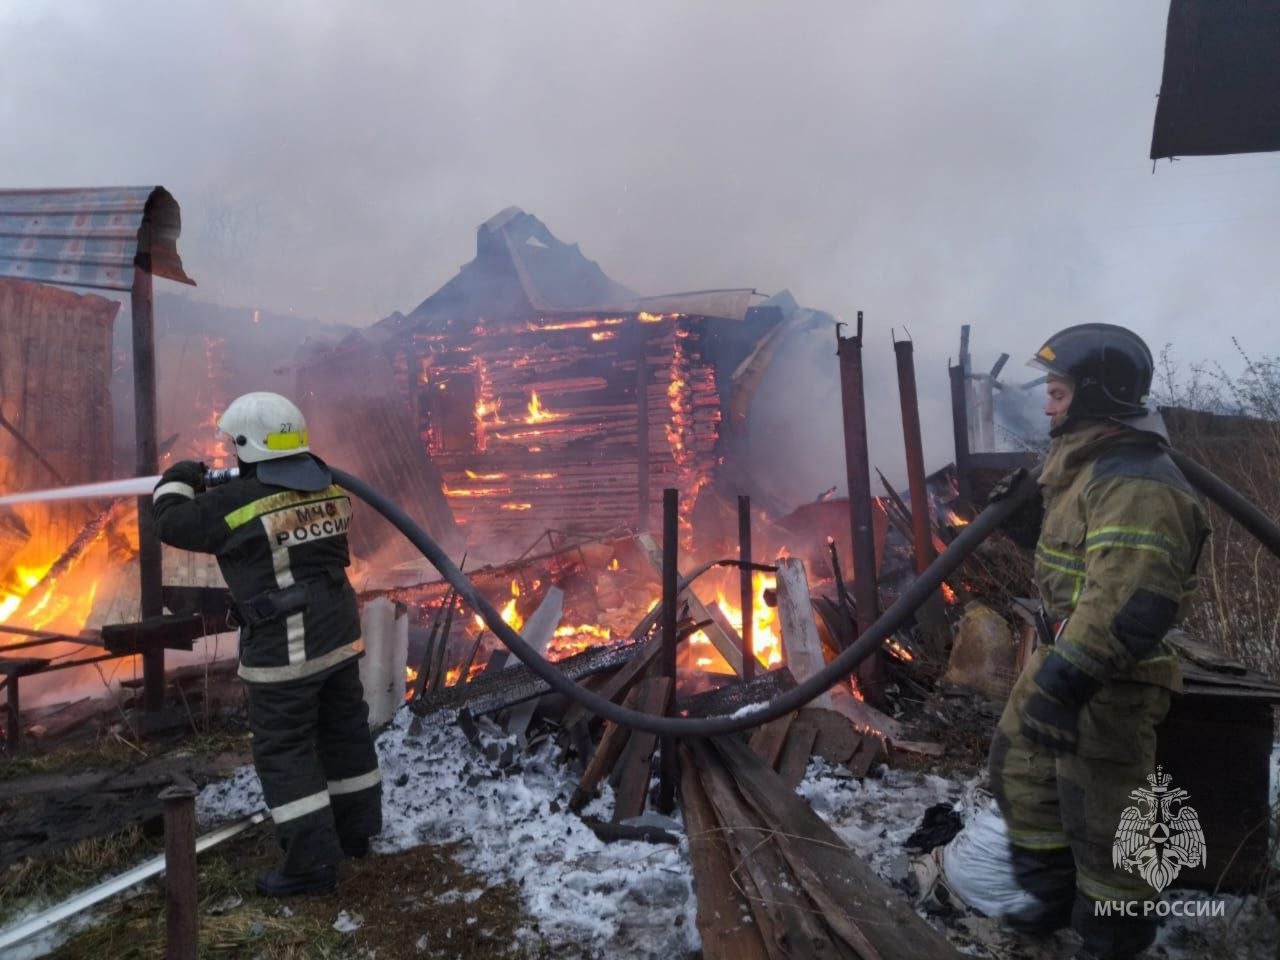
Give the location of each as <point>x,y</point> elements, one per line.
<point>633,767</point>
<point>732,697</point>
<point>610,832</point>
<point>605,757</point>
<point>428,653</point>
<point>500,689</point>
<point>669,768</point>
<point>167,632</point>
<point>746,592</point>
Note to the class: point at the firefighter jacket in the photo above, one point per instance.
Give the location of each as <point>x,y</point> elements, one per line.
<point>1117,554</point>
<point>283,555</point>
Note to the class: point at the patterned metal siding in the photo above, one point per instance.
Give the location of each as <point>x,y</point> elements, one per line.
<point>90,237</point>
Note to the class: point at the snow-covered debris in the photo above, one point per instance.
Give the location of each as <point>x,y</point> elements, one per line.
<point>624,899</point>
<point>348,922</point>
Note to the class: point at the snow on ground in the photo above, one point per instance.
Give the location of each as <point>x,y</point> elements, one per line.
<point>635,900</point>
<point>624,899</point>
<point>876,815</point>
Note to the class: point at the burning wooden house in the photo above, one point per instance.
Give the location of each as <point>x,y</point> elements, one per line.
<point>55,411</point>
<point>552,398</point>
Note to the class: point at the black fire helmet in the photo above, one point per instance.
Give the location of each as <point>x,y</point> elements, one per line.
<point>1110,369</point>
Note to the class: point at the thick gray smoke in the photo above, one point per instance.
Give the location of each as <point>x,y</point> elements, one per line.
<point>932,163</point>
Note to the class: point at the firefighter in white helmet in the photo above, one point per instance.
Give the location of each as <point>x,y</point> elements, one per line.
<point>279,532</point>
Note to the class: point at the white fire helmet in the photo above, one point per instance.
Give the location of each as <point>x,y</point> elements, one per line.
<point>265,426</point>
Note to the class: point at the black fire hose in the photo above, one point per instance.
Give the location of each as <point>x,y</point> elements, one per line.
<point>896,616</point>
<point>1264,529</point>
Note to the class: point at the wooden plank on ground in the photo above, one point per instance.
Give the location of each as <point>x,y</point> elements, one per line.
<point>723,912</point>
<point>633,766</point>
<point>538,631</point>
<point>606,756</point>
<point>158,773</point>
<point>767,740</point>
<point>794,929</point>
<point>796,753</point>
<point>861,906</point>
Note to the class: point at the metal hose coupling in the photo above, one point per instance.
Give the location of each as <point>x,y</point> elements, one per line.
<point>217,477</point>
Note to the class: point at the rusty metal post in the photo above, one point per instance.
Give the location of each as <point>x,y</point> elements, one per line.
<point>960,414</point>
<point>747,601</point>
<point>148,464</point>
<point>921,528</point>
<point>960,431</point>
<point>858,472</point>
<point>668,761</point>
<point>642,433</point>
<point>931,617</point>
<point>181,917</point>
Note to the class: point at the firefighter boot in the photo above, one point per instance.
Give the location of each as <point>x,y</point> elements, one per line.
<point>277,883</point>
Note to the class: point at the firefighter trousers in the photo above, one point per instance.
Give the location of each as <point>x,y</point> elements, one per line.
<point>1062,812</point>
<point>315,757</point>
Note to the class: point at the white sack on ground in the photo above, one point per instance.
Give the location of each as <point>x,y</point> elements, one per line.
<point>979,869</point>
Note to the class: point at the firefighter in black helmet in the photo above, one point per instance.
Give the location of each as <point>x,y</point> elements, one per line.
<point>1118,541</point>
<point>279,532</point>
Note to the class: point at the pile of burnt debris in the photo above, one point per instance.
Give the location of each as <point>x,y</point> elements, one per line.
<point>772,878</point>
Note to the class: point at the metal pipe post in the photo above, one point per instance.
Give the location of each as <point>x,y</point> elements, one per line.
<point>668,761</point>
<point>181,917</point>
<point>921,528</point>
<point>747,600</point>
<point>871,677</point>
<point>145,427</point>
<point>960,431</point>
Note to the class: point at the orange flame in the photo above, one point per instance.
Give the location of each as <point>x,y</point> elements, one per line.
<point>538,413</point>
<point>765,637</point>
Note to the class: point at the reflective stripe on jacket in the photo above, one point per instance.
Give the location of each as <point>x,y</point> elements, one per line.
<point>1120,522</point>
<point>267,539</point>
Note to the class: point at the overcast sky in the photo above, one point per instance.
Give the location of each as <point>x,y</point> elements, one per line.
<point>932,163</point>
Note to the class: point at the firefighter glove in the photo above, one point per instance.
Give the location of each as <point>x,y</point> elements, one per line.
<point>189,472</point>
<point>1051,715</point>
<point>1006,485</point>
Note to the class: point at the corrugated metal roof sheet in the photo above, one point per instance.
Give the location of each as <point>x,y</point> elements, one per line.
<point>91,236</point>
<point>729,304</point>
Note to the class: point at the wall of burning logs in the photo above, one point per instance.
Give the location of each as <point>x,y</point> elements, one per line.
<point>55,403</point>
<point>566,422</point>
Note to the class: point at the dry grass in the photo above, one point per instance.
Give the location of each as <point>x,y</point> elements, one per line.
<point>398,898</point>
<point>111,748</point>
<point>58,876</point>
<point>1236,434</point>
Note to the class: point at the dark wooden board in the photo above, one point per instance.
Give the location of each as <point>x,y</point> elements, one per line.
<point>843,885</point>
<point>723,911</point>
